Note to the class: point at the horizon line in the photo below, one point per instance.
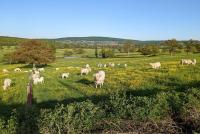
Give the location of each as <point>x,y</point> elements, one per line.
<point>51,38</point>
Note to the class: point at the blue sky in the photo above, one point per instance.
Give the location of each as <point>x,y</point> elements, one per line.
<point>134,19</point>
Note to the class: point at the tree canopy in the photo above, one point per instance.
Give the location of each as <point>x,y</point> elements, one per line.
<point>32,52</point>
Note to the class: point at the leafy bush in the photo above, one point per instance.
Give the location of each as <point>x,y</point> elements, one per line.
<point>9,126</point>
<point>74,118</point>
<point>68,52</point>
<point>150,50</point>
<point>78,51</point>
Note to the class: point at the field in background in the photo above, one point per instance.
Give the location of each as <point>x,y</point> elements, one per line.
<point>167,98</point>
<point>137,76</point>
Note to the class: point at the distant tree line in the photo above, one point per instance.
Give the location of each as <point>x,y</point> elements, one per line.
<point>103,50</point>
<point>171,46</point>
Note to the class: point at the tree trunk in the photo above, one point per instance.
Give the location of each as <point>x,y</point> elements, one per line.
<point>171,54</point>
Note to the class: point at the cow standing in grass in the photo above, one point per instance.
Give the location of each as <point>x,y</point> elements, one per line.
<point>85,70</point>
<point>64,75</point>
<point>7,83</point>
<point>5,71</point>
<point>99,78</point>
<point>188,62</point>
<point>155,65</point>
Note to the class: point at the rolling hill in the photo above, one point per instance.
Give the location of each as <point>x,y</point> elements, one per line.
<point>6,40</point>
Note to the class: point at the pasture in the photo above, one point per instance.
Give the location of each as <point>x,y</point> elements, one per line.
<point>138,78</point>
<point>138,75</point>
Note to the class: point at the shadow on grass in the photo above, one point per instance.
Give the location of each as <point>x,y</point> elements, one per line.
<point>31,66</point>
<point>29,115</point>
<point>85,81</point>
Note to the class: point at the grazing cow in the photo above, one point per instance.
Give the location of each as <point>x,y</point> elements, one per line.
<point>188,62</point>
<point>104,65</point>
<point>100,65</point>
<point>125,65</point>
<point>37,72</point>
<point>64,75</point>
<point>87,66</point>
<point>17,70</point>
<point>155,65</point>
<point>5,71</point>
<point>118,64</point>
<point>194,62</point>
<point>99,78</point>
<point>7,83</point>
<point>111,64</point>
<point>85,70</point>
<point>41,69</point>
<point>35,75</point>
<point>38,80</point>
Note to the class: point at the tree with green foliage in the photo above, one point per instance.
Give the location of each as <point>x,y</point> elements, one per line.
<point>109,53</point>
<point>96,51</point>
<point>103,52</point>
<point>172,46</point>
<point>33,52</point>
<point>68,52</point>
<point>78,51</point>
<point>152,50</point>
<point>128,47</point>
<point>190,47</point>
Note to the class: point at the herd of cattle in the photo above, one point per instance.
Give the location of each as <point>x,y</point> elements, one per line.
<point>99,77</point>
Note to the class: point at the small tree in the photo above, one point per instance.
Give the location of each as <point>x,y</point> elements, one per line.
<point>150,50</point>
<point>78,51</point>
<point>33,52</point>
<point>128,47</point>
<point>172,46</point>
<point>155,49</point>
<point>109,53</point>
<point>190,46</point>
<point>103,52</point>
<point>68,53</point>
<point>96,51</point>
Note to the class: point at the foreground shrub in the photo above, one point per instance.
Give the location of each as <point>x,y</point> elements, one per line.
<point>9,126</point>
<point>74,118</point>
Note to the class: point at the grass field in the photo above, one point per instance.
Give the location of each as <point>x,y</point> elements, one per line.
<point>137,75</point>
<point>138,78</point>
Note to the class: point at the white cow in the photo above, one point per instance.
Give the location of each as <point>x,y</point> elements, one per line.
<point>111,64</point>
<point>85,70</point>
<point>99,78</point>
<point>5,71</point>
<point>38,80</point>
<point>57,69</point>
<point>155,65</point>
<point>41,69</point>
<point>17,70</point>
<point>104,65</point>
<point>100,65</point>
<point>64,75</point>
<point>194,62</point>
<point>125,65</point>
<point>87,66</point>
<point>188,61</point>
<point>35,74</point>
<point>7,83</point>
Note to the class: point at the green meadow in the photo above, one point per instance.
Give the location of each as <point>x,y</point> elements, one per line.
<point>138,78</point>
